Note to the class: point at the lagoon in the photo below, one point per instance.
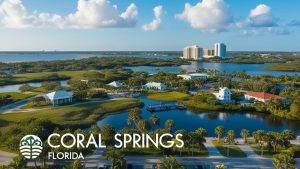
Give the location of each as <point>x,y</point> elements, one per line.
<point>251,69</point>
<point>188,120</point>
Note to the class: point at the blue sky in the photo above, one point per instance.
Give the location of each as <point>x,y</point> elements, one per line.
<point>62,25</point>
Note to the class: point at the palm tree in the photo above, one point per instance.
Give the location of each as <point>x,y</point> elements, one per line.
<point>154,120</point>
<point>134,116</point>
<point>169,124</point>
<point>219,131</point>
<point>284,161</point>
<point>201,134</point>
<point>143,126</point>
<point>170,163</point>
<point>77,164</point>
<point>115,156</point>
<point>287,136</point>
<point>258,136</point>
<point>245,134</point>
<point>231,135</point>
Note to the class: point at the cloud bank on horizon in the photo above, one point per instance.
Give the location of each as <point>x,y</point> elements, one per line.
<point>212,16</point>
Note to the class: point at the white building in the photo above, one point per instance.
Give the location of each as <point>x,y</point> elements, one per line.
<point>155,85</point>
<point>224,95</point>
<point>115,84</point>
<point>59,97</point>
<point>193,52</point>
<point>220,50</point>
<point>201,76</point>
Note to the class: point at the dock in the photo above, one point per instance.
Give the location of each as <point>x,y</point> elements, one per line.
<point>165,107</point>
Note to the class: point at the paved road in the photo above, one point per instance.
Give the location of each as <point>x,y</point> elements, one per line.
<point>212,150</point>
<point>6,158</point>
<point>14,106</point>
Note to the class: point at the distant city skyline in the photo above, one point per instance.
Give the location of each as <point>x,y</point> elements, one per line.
<point>158,25</point>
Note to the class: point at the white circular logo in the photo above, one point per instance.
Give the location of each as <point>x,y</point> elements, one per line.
<point>31,146</point>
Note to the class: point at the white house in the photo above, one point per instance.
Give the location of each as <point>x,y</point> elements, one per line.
<point>224,95</point>
<point>155,85</point>
<point>116,84</point>
<point>185,77</point>
<point>59,97</point>
<point>201,76</point>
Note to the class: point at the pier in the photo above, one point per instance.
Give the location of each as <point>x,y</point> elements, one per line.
<point>165,107</point>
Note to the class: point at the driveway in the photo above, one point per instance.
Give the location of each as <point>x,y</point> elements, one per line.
<point>6,157</point>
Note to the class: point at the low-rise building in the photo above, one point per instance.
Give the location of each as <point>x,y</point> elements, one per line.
<point>116,84</point>
<point>155,86</point>
<point>224,95</point>
<point>262,96</point>
<point>59,97</point>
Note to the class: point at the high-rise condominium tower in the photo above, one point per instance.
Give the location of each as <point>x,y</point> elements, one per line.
<point>220,50</point>
<point>193,52</point>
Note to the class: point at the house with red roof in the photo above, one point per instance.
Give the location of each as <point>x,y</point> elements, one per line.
<point>262,96</point>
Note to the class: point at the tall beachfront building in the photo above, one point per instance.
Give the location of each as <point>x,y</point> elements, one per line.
<point>220,50</point>
<point>193,52</point>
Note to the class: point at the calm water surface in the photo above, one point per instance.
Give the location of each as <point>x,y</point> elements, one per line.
<point>15,88</point>
<point>185,119</point>
<point>9,57</point>
<point>251,69</point>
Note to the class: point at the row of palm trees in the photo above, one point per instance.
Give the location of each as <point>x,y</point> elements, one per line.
<point>220,131</point>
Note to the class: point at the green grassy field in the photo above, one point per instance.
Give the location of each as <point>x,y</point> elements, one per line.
<point>234,151</point>
<point>167,96</point>
<point>80,115</point>
<point>16,96</point>
<point>42,76</point>
<point>291,66</point>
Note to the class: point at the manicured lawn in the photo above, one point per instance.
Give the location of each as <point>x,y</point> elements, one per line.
<point>167,96</point>
<point>234,151</point>
<point>80,115</point>
<point>153,151</point>
<point>295,149</point>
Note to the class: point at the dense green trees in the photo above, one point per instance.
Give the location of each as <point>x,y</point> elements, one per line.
<point>25,88</point>
<point>5,99</point>
<point>170,163</point>
<point>284,161</point>
<point>93,63</point>
<point>116,158</point>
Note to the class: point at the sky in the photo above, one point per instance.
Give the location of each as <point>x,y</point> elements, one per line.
<point>152,25</point>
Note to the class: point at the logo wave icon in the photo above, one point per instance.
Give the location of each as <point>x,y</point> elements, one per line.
<point>31,146</point>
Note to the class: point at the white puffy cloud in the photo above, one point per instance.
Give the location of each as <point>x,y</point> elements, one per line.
<point>156,22</point>
<point>14,15</point>
<point>208,15</point>
<point>100,13</point>
<point>89,14</point>
<point>261,16</point>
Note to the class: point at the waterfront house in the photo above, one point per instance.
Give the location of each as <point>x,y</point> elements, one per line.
<point>262,96</point>
<point>224,95</point>
<point>155,86</point>
<point>201,76</point>
<point>116,84</point>
<point>59,97</point>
